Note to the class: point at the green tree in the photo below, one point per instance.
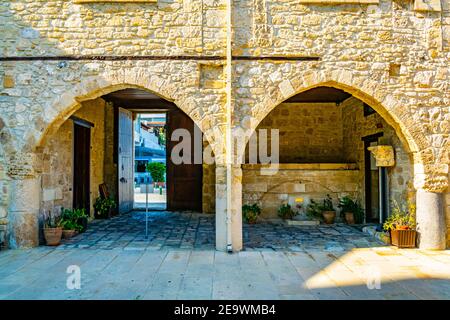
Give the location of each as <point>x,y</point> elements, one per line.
<point>157,171</point>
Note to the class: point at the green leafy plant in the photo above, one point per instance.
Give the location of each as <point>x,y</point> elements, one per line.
<point>327,204</point>
<point>402,217</point>
<point>250,213</point>
<point>346,204</point>
<point>315,209</point>
<point>103,205</point>
<point>70,218</point>
<point>52,221</point>
<point>285,211</point>
<point>157,171</point>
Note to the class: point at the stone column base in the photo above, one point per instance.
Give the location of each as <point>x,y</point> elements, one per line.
<point>221,209</point>
<point>23,227</point>
<point>430,218</point>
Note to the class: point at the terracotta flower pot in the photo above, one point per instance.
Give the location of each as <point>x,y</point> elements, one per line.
<point>403,238</point>
<point>329,216</point>
<point>52,236</point>
<point>67,234</point>
<point>349,217</point>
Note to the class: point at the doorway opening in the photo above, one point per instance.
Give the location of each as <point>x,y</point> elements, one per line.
<point>144,125</point>
<point>150,173</point>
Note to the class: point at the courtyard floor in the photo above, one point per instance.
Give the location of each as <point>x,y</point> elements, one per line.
<point>178,261</point>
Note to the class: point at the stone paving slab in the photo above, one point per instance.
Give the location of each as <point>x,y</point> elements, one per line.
<point>178,261</point>
<point>209,274</point>
<point>194,231</point>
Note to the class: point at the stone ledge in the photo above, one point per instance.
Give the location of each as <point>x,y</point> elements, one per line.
<point>339,1</point>
<point>114,1</point>
<point>303,166</point>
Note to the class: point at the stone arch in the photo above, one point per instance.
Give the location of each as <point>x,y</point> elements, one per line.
<point>94,87</point>
<point>390,107</point>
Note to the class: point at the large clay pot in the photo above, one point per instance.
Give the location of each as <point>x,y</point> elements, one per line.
<point>349,217</point>
<point>53,236</point>
<point>67,234</point>
<point>329,216</point>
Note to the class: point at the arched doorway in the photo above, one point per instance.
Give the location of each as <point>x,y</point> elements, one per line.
<point>96,146</point>
<point>324,135</point>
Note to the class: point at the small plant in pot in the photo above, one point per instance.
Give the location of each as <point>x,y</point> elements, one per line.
<point>70,221</point>
<point>103,207</point>
<point>285,211</point>
<point>52,230</point>
<point>250,213</point>
<point>351,210</point>
<point>402,226</point>
<point>328,211</point>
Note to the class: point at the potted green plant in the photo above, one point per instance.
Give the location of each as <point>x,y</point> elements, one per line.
<point>52,230</point>
<point>285,211</point>
<point>103,207</point>
<point>71,221</point>
<point>81,218</point>
<point>324,210</point>
<point>250,213</point>
<point>351,210</point>
<point>157,170</point>
<point>401,225</point>
<point>314,210</point>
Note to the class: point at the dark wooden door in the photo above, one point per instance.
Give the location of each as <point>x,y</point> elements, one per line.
<point>184,181</point>
<point>81,167</point>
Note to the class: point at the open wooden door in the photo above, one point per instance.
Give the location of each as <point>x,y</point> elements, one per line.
<point>184,181</point>
<point>125,160</point>
<point>81,167</point>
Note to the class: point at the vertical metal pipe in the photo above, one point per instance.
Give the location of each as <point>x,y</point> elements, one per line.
<point>229,138</point>
<point>146,207</point>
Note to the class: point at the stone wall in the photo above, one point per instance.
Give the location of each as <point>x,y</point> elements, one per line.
<point>447,214</point>
<point>109,165</point>
<point>293,181</point>
<point>356,126</point>
<point>308,132</point>
<point>209,188</point>
<point>57,160</point>
<point>388,54</point>
<point>4,181</point>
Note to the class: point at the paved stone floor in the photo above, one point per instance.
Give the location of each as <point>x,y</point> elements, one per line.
<point>178,262</point>
<point>168,230</point>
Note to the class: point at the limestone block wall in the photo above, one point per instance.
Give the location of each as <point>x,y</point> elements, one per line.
<point>308,132</point>
<point>3,200</point>
<point>57,160</point>
<point>63,27</point>
<point>109,165</point>
<point>57,171</point>
<point>356,126</point>
<point>447,214</point>
<point>292,181</point>
<point>209,188</point>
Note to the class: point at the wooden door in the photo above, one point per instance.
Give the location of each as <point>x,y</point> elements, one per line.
<point>81,167</point>
<point>184,181</point>
<point>125,159</point>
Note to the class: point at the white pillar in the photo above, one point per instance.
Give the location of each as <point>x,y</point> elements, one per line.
<point>222,224</point>
<point>23,212</point>
<point>430,220</point>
